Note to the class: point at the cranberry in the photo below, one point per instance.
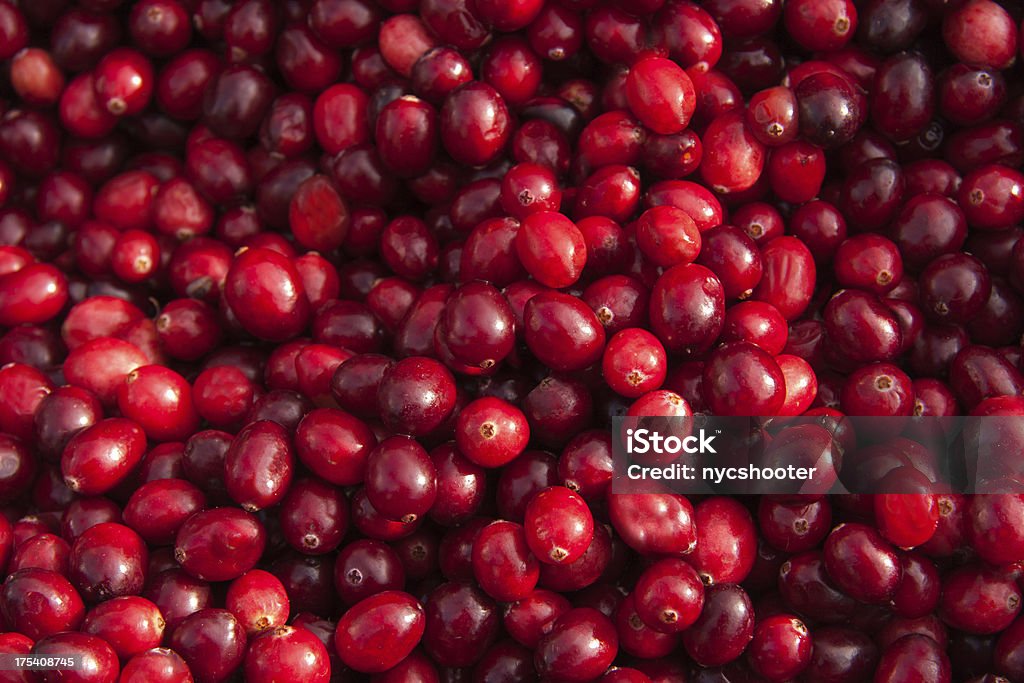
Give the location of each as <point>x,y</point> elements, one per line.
<point>781,647</point>
<point>726,541</point>
<point>365,568</point>
<point>15,31</point>
<point>123,82</point>
<point>258,465</point>
<point>94,655</point>
<point>559,525</point>
<point>551,248</point>
<point>380,631</point>
<point>212,643</point>
<point>343,23</point>
<point>862,326</point>
<point>258,601</point>
<point>157,509</point>
<point>669,596</point>
<point>219,544</point>
<point>661,95</point>
<point>634,515</point>
<point>562,331</point>
<point>990,197</point>
<point>724,628</point>
<point>101,456</point>
<point>911,656</point>
<point>742,379</point>
<point>503,563</point>
<point>791,527</point>
<point>159,664</point>
<point>582,644</point>
<point>400,479</point>
<point>39,603</point>
<point>862,563</point>
<point>287,651</point>
<point>830,110</point>
<point>130,625</point>
<point>981,33</point>
<point>474,124</point>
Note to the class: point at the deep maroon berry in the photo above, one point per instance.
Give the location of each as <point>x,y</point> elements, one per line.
<point>212,643</point>
<point>582,644</point>
<point>474,124</point>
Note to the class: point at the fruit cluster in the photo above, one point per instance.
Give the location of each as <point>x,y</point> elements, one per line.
<point>314,316</point>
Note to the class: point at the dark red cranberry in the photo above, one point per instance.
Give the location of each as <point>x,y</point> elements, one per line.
<point>582,642</point>
<point>862,326</point>
<point>724,628</point>
<point>830,110</point>
<point>15,31</point>
<point>474,124</point>
<point>862,563</point>
<point>632,516</point>
<point>416,395</point>
<point>107,561</point>
<point>212,643</point>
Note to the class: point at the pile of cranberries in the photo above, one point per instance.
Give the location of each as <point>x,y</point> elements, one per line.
<point>314,316</point>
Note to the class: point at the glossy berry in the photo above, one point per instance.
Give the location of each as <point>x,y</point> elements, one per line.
<point>669,596</point>
<point>379,632</point>
<point>661,95</point>
<point>581,644</point>
<point>559,525</point>
<point>781,647</point>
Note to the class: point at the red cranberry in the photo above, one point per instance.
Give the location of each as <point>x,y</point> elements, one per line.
<point>287,651</point>
<point>380,631</point>
<point>15,31</point>
<point>219,544</point>
<point>98,458</point>
<point>94,655</point>
<point>130,625</point>
<point>862,563</point>
<point>159,665</point>
<point>634,515</point>
<point>661,95</point>
<point>981,33</point>
<point>39,603</point>
<point>491,432</point>
<point>158,508</point>
<point>258,601</point>
<point>562,331</point>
